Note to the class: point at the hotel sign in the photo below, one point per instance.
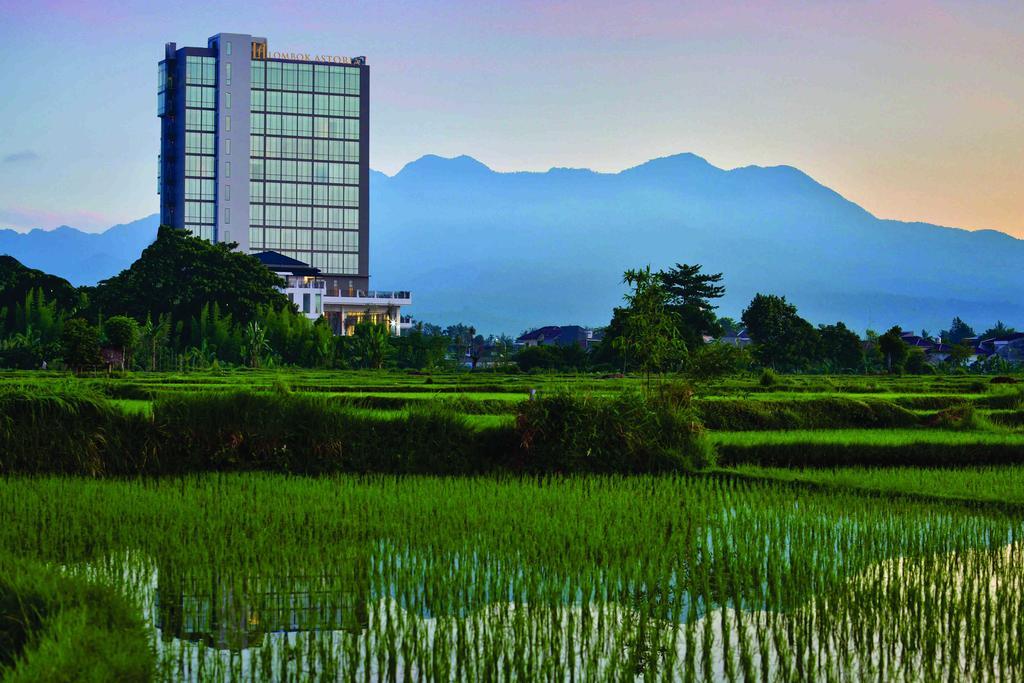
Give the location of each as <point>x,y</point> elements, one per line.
<point>259,51</point>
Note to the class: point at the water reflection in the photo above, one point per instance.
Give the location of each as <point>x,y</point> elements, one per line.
<point>228,612</point>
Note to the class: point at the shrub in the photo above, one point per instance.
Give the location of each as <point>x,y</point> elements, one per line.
<point>631,433</point>
<point>768,378</point>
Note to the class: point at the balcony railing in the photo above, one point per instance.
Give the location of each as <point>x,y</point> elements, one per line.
<point>312,284</point>
<point>372,294</point>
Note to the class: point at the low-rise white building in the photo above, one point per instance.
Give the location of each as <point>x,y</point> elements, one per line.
<point>343,309</point>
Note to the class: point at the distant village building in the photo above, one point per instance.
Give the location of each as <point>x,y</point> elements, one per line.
<point>741,339</point>
<point>934,351</point>
<point>1009,347</point>
<point>112,357</point>
<point>554,335</point>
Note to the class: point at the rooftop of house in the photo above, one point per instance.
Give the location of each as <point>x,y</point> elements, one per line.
<point>279,263</point>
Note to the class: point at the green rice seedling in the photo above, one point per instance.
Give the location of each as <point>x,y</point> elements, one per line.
<point>869,447</point>
<point>267,577</point>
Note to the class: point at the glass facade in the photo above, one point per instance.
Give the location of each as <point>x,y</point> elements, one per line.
<point>284,137</point>
<point>304,163</point>
<point>200,145</point>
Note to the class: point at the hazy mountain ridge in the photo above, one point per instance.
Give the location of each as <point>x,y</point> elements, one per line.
<point>82,258</point>
<point>506,251</point>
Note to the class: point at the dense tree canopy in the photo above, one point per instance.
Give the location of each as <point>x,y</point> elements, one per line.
<point>893,349</point>
<point>1000,329</point>
<point>840,348</point>
<point>17,280</point>
<point>782,339</point>
<point>180,274</point>
<point>957,332</point>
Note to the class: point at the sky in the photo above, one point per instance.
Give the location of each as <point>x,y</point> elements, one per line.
<point>914,109</point>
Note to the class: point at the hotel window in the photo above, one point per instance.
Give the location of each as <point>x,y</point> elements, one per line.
<point>305,77</point>
<point>196,165</point>
<point>199,143</point>
<point>227,100</point>
<point>273,75</point>
<point>199,189</point>
<point>273,192</point>
<point>273,101</point>
<point>227,169</point>
<point>227,73</point>
<point>257,72</point>
<point>200,119</point>
<point>227,123</point>
<point>227,193</point>
<point>227,215</point>
<point>228,46</point>
<point>227,146</point>
<point>199,212</point>
<point>198,96</point>
<point>200,70</point>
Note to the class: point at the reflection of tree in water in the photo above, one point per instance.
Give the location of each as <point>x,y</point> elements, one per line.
<point>236,609</point>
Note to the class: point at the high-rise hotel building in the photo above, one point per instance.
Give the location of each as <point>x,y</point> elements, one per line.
<point>271,150</point>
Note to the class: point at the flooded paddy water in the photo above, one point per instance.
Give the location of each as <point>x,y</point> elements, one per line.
<point>262,577</point>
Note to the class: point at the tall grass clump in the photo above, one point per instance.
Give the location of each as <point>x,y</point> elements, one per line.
<point>63,628</point>
<point>308,434</point>
<point>630,433</point>
<point>829,412</point>
<point>68,429</point>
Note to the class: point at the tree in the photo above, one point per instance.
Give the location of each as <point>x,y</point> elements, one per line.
<point>689,294</point>
<point>997,330</point>
<point>370,344</point>
<point>122,332</point>
<point>609,352</point>
<point>17,280</point>
<point>552,357</point>
<point>712,361</point>
<point>840,347</point>
<point>782,339</point>
<point>729,326</point>
<point>178,275</point>
<point>894,349</point>
<point>80,344</point>
<point>651,331</point>
<point>916,363</point>
<point>958,355</point>
<point>957,332</point>
<point>154,337</point>
<point>419,351</point>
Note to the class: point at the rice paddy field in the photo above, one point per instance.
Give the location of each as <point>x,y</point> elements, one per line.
<point>849,529</point>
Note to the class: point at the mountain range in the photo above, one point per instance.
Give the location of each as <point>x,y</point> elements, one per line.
<point>508,251</point>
